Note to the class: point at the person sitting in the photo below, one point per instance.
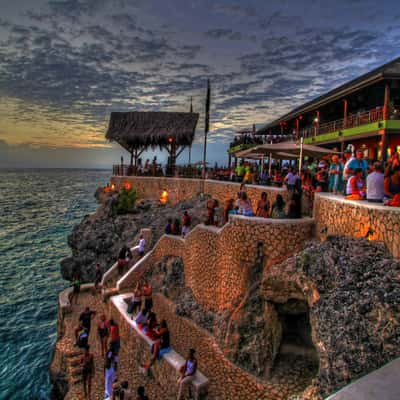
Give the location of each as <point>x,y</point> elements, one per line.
<point>210,212</point>
<point>375,184</point>
<point>142,317</point>
<point>135,302</point>
<point>161,346</point>
<point>278,208</point>
<point>392,183</point>
<point>168,227</point>
<point>176,227</point>
<point>150,325</point>
<point>277,178</point>
<point>142,245</point>
<point>355,186</point>
<point>294,205</point>
<point>229,209</point>
<point>245,207</point>
<point>263,206</point>
<point>188,371</point>
<point>217,213</point>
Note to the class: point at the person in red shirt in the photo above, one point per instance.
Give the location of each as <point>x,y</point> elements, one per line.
<point>115,342</point>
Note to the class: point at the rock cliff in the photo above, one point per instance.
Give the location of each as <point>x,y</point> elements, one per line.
<point>99,237</point>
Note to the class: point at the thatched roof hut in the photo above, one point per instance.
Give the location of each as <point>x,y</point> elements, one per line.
<point>137,131</point>
<point>134,130</point>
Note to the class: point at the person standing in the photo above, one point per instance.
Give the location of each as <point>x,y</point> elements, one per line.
<point>142,245</point>
<point>76,289</point>
<point>87,363</point>
<point>148,296</point>
<point>188,371</point>
<point>375,184</point>
<point>357,163</point>
<point>98,278</point>
<point>110,370</point>
<point>115,340</point>
<point>335,175</point>
<point>102,330</point>
<point>186,221</point>
<point>348,157</point>
<point>291,178</point>
<point>85,319</point>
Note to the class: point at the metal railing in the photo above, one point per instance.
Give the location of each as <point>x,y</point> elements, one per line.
<point>352,120</point>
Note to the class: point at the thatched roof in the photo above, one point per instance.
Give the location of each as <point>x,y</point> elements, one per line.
<point>151,129</point>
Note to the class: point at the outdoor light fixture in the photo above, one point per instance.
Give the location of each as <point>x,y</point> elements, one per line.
<point>316,120</point>
<point>112,186</point>
<point>127,186</point>
<point>164,197</point>
<point>369,234</point>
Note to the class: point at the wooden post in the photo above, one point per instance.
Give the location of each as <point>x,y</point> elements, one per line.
<point>345,109</point>
<point>386,111</point>
<point>297,128</point>
<point>386,104</point>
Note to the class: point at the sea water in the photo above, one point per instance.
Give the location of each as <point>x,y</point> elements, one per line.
<point>38,209</point>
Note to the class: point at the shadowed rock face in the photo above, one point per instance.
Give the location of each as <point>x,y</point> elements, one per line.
<point>356,320</point>
<point>99,237</point>
<point>339,299</point>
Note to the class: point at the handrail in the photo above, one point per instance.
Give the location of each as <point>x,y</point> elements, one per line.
<point>352,120</point>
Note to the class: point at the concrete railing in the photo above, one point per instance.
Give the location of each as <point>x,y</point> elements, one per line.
<point>216,260</point>
<point>112,273</point>
<point>65,295</point>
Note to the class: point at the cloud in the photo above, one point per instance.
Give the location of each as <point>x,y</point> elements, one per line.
<point>223,33</point>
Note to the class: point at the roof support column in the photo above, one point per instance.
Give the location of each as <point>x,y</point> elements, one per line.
<point>345,111</point>
<point>386,104</point>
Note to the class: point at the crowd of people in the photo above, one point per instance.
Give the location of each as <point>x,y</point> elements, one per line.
<point>179,227</point>
<point>139,306</point>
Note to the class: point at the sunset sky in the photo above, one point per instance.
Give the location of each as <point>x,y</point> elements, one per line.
<point>66,64</point>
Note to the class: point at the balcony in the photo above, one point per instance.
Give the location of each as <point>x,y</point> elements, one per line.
<point>352,121</point>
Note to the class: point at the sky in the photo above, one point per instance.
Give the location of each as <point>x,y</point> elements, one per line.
<point>66,64</point>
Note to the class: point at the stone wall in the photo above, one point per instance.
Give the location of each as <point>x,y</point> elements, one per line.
<point>227,381</point>
<point>218,261</point>
<point>180,189</point>
<point>335,215</point>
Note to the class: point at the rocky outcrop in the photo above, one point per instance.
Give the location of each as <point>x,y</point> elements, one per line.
<point>100,236</point>
<point>352,288</point>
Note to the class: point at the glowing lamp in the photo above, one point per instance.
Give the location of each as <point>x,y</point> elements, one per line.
<point>170,140</point>
<point>127,186</point>
<point>112,186</point>
<point>370,234</point>
<point>164,197</point>
<point>316,120</point>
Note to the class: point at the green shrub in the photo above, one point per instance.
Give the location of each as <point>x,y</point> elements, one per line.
<point>125,202</point>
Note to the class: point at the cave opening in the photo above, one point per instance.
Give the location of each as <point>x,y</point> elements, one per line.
<point>297,356</point>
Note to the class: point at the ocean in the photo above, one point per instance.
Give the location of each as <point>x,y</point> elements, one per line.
<point>38,209</point>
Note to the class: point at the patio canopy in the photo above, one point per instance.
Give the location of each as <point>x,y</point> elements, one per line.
<point>284,151</point>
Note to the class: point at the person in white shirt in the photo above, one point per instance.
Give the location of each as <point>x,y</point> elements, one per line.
<point>348,157</point>
<point>375,184</point>
<point>142,245</point>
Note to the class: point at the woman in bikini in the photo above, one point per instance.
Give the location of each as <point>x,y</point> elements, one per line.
<point>87,363</point>
<point>102,330</point>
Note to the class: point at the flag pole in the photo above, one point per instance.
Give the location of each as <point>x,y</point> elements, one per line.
<point>190,147</point>
<point>206,128</point>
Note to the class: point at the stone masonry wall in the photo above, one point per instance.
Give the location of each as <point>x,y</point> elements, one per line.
<point>227,381</point>
<point>337,216</point>
<point>180,189</point>
<point>218,261</point>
